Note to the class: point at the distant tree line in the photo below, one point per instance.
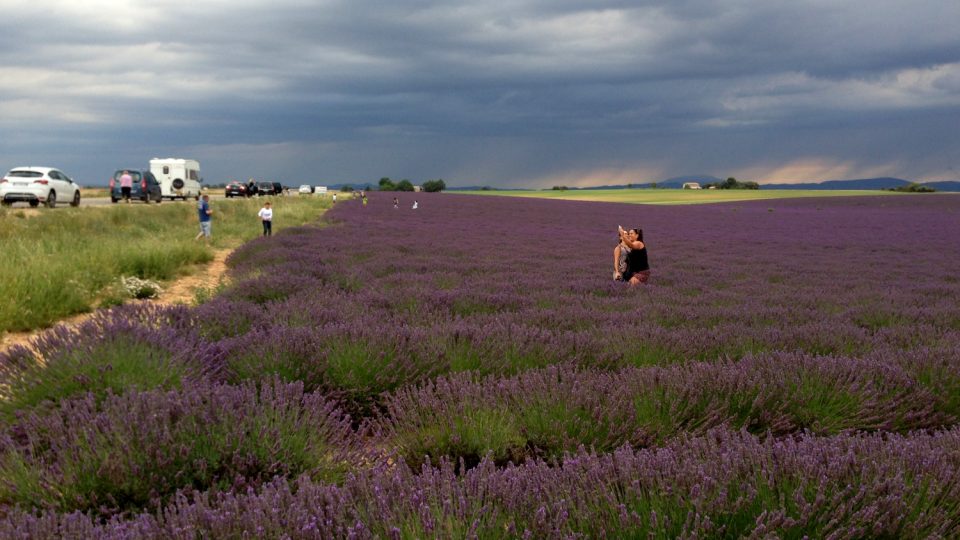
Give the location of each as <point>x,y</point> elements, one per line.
<point>434,186</point>
<point>913,187</point>
<point>386,184</point>
<point>732,183</point>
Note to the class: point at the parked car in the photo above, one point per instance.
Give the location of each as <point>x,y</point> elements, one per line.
<point>35,185</point>
<point>305,189</point>
<point>236,189</point>
<point>145,186</point>
<point>270,188</point>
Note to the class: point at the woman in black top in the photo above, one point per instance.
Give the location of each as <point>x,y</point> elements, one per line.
<point>638,267</point>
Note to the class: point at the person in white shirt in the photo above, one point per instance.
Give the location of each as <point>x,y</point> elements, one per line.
<point>266,217</point>
<point>415,205</point>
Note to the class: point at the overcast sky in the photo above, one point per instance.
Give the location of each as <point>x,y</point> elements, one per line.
<point>529,93</point>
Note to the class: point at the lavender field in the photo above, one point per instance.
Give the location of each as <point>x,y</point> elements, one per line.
<point>469,369</point>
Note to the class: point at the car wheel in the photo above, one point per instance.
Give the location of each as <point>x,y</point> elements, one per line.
<point>76,199</point>
<point>34,204</point>
<point>52,199</point>
<point>114,201</point>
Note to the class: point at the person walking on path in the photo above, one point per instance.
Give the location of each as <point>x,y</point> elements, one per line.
<point>396,202</point>
<point>415,205</point>
<point>126,185</point>
<point>266,217</point>
<point>204,212</point>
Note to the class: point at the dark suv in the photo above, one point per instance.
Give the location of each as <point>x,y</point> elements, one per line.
<point>145,186</point>
<point>270,188</point>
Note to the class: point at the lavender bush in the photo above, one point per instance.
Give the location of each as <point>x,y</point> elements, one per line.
<point>133,451</point>
<point>722,485</point>
<point>126,348</point>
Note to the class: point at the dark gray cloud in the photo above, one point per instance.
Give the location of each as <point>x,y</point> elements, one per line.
<point>495,92</point>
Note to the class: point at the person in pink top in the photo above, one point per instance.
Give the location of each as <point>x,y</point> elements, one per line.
<point>126,185</point>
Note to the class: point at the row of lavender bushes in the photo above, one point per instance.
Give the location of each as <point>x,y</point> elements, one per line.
<point>322,359</point>
<point>135,450</point>
<point>549,412</point>
<point>723,484</point>
<point>488,332</point>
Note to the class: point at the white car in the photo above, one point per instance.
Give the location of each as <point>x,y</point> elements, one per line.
<point>35,185</point>
<point>306,189</point>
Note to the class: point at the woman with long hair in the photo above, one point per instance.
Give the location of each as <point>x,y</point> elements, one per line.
<point>630,261</point>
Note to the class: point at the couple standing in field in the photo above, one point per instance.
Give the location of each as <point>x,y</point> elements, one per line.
<point>630,262</point>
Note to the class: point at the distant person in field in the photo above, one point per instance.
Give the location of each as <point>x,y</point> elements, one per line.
<point>416,205</point>
<point>637,269</point>
<point>204,212</point>
<point>363,197</point>
<point>334,197</point>
<point>126,185</point>
<point>266,217</point>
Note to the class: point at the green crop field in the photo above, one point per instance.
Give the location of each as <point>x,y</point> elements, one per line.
<point>677,196</point>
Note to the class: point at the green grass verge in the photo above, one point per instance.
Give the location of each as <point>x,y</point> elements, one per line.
<point>64,261</point>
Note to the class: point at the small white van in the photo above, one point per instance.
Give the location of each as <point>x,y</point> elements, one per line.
<point>178,178</point>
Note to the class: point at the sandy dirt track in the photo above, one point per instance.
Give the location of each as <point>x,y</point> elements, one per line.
<point>180,291</point>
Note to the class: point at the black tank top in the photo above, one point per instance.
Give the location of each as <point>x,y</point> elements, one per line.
<point>637,260</point>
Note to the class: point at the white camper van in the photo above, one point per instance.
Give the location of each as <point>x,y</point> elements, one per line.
<point>179,178</point>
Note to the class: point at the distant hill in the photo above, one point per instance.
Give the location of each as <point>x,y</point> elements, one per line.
<point>865,183</point>
<point>945,185</point>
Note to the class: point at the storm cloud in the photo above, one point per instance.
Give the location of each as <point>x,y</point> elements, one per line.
<point>521,93</point>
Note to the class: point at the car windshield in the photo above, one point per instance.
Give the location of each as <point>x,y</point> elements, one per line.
<point>24,174</point>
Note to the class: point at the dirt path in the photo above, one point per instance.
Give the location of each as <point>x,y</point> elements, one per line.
<point>180,291</point>
<point>184,290</point>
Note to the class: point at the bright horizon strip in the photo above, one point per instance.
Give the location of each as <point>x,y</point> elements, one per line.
<point>680,196</point>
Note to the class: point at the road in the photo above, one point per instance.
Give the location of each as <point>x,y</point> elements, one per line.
<point>105,201</point>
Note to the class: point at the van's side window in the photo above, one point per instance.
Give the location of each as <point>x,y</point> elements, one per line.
<point>193,175</point>
<point>166,169</point>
